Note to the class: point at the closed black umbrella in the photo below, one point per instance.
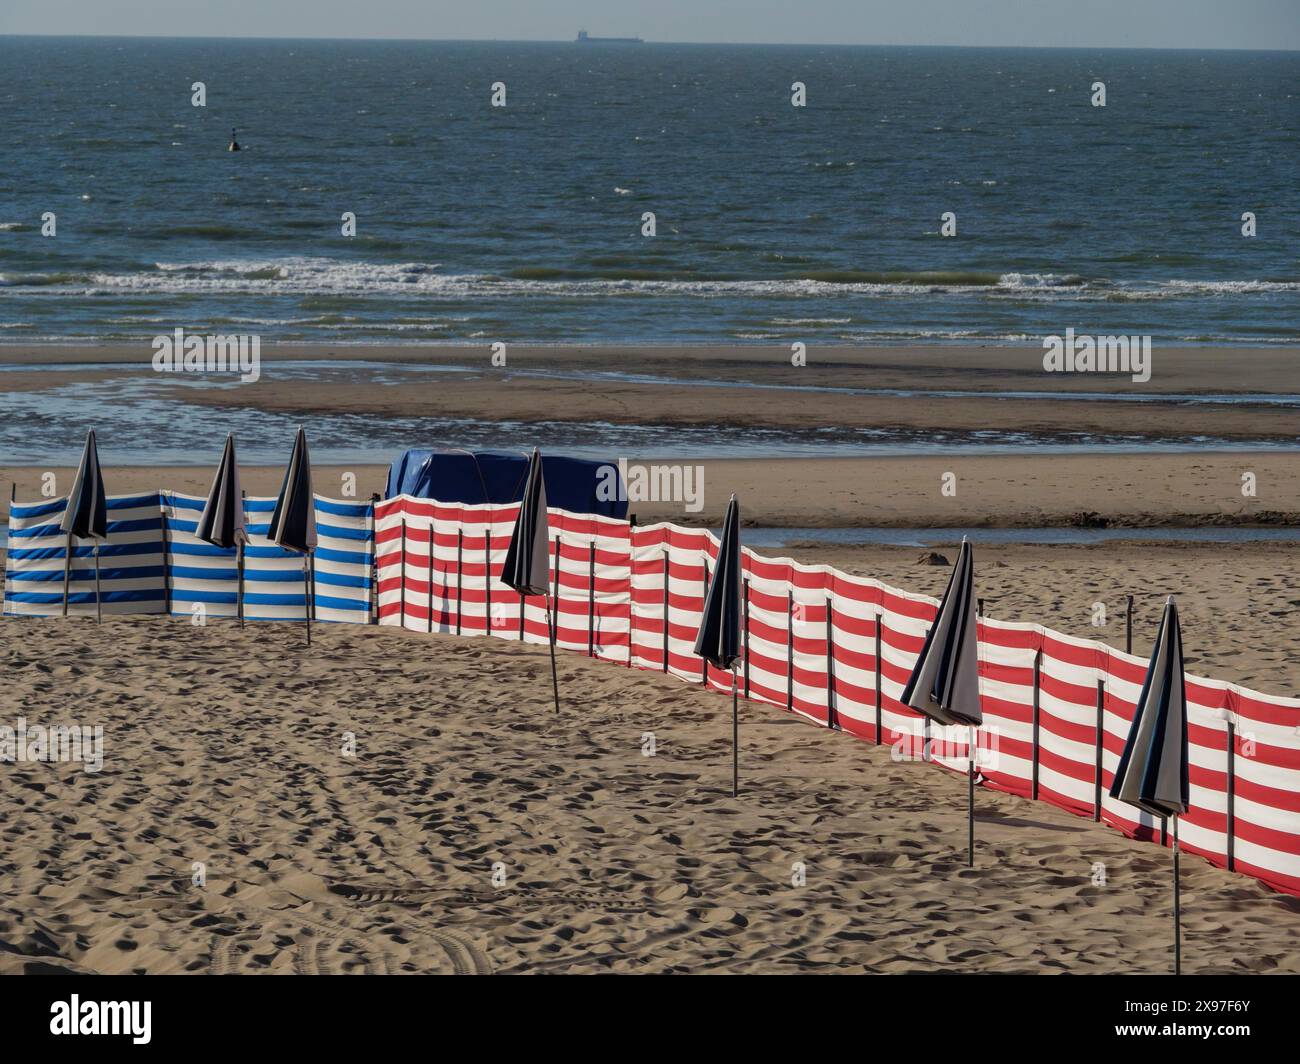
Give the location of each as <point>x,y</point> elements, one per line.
<point>86,516</point>
<point>527,560</point>
<point>718,641</point>
<point>293,522</point>
<point>1153,770</point>
<point>222,520</point>
<point>945,684</point>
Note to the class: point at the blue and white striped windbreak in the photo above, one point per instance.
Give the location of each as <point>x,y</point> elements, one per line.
<point>141,569</point>
<point>131,559</point>
<point>273,584</point>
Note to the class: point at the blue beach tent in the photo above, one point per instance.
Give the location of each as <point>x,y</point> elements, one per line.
<point>499,477</point>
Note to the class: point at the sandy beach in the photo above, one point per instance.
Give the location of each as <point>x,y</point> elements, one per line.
<point>224,747</point>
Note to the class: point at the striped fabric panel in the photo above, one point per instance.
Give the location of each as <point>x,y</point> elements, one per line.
<point>130,560</point>
<point>1062,767</point>
<point>344,559</point>
<point>440,566</point>
<point>198,572</point>
<point>273,578</point>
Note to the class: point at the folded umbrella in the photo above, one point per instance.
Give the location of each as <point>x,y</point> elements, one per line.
<point>1153,769</point>
<point>222,522</point>
<point>527,564</point>
<point>293,522</point>
<point>718,640</point>
<point>944,684</point>
<point>86,515</point>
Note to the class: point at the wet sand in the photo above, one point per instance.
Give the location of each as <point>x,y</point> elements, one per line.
<point>839,388</point>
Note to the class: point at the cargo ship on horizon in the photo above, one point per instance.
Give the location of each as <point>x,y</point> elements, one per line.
<point>583,38</point>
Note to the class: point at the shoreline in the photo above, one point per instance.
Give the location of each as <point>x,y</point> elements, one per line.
<point>1197,368</point>
<point>1166,461</point>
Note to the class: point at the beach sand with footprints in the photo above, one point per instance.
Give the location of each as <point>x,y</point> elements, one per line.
<point>224,747</point>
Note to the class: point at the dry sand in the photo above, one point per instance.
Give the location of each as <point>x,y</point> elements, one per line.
<point>223,747</point>
<point>1002,491</point>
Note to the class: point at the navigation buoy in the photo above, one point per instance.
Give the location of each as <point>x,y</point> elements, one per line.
<point>234,144</point>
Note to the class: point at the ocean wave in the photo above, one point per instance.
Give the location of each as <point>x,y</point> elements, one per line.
<point>319,276</point>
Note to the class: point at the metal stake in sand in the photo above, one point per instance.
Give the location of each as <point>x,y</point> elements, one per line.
<point>1153,769</point>
<point>718,640</point>
<point>308,596</point>
<point>1178,910</point>
<point>86,515</point>
<point>944,684</point>
<point>735,736</point>
<point>525,568</point>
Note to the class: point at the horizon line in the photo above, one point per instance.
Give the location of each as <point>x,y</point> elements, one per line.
<point>705,44</point>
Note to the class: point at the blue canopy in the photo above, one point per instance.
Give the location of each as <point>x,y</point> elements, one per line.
<point>499,476</point>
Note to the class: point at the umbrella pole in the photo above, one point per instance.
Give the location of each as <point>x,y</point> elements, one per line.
<point>1178,934</point>
<point>239,586</point>
<point>67,572</point>
<point>550,624</point>
<point>735,737</point>
<point>306,596</point>
<point>970,795</point>
<point>99,611</point>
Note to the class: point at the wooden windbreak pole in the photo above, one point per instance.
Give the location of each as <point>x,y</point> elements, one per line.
<point>704,663</point>
<point>402,585</point>
<point>789,650</point>
<point>832,710</point>
<point>665,611</point>
<point>631,604</point>
<point>460,572</point>
<point>241,562</point>
<point>1096,770</point>
<point>591,600</point>
<point>374,559</point>
<point>1038,680</point>
<point>746,605</point>
<point>1232,795</point>
<point>166,557</point>
<point>879,697</point>
<point>487,579</point>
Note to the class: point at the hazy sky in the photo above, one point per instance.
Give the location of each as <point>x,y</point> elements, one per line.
<point>1069,23</point>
